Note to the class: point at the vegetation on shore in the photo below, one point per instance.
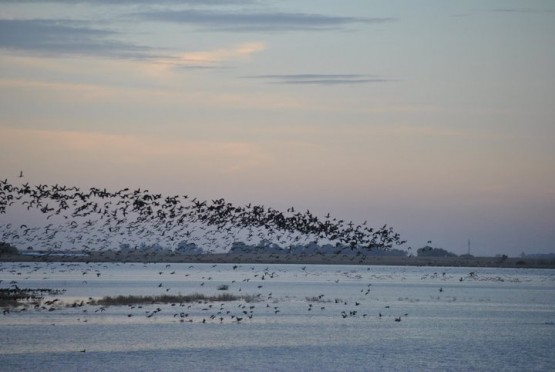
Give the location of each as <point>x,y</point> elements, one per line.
<point>311,254</point>
<point>12,297</point>
<point>170,299</point>
<point>220,258</point>
<point>15,296</point>
<point>7,249</point>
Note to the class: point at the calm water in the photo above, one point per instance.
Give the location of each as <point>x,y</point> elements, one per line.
<point>311,318</point>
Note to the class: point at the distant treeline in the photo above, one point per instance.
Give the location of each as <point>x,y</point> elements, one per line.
<point>428,251</point>
<point>8,249</point>
<point>544,256</point>
<point>313,248</point>
<point>268,247</point>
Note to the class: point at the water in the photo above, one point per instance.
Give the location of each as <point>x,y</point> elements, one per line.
<point>311,318</point>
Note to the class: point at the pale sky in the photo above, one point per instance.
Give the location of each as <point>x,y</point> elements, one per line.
<point>436,117</point>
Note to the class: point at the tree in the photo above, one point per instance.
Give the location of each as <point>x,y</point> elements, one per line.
<point>185,247</point>
<point>7,249</point>
<point>428,251</point>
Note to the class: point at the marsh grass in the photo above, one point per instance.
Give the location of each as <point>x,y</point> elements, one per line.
<point>317,299</point>
<point>170,299</point>
<point>13,297</point>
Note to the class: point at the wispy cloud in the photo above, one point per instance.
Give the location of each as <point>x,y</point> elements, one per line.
<point>64,37</point>
<point>215,57</point>
<point>61,37</point>
<point>255,21</point>
<point>321,79</point>
<point>523,10</point>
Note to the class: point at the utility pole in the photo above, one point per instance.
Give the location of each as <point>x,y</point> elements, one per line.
<point>469,247</point>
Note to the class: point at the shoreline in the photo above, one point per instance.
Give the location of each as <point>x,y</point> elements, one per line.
<point>316,259</point>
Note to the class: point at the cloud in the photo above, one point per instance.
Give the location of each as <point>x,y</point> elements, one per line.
<point>217,56</point>
<point>55,37</point>
<point>320,79</point>
<point>156,89</point>
<point>523,10</point>
<point>255,21</point>
<point>63,38</point>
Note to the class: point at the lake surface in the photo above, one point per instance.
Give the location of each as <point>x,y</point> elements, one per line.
<point>310,318</point>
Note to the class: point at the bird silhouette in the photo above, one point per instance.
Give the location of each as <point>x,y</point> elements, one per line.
<point>98,217</point>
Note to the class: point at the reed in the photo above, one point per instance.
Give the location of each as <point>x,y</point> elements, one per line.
<point>169,299</point>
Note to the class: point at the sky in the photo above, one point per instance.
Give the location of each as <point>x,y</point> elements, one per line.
<point>436,117</point>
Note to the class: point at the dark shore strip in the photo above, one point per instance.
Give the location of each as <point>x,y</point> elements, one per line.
<point>313,259</point>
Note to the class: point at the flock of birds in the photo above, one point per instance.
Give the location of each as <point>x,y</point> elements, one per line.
<point>59,217</point>
<point>263,289</point>
<point>97,219</point>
